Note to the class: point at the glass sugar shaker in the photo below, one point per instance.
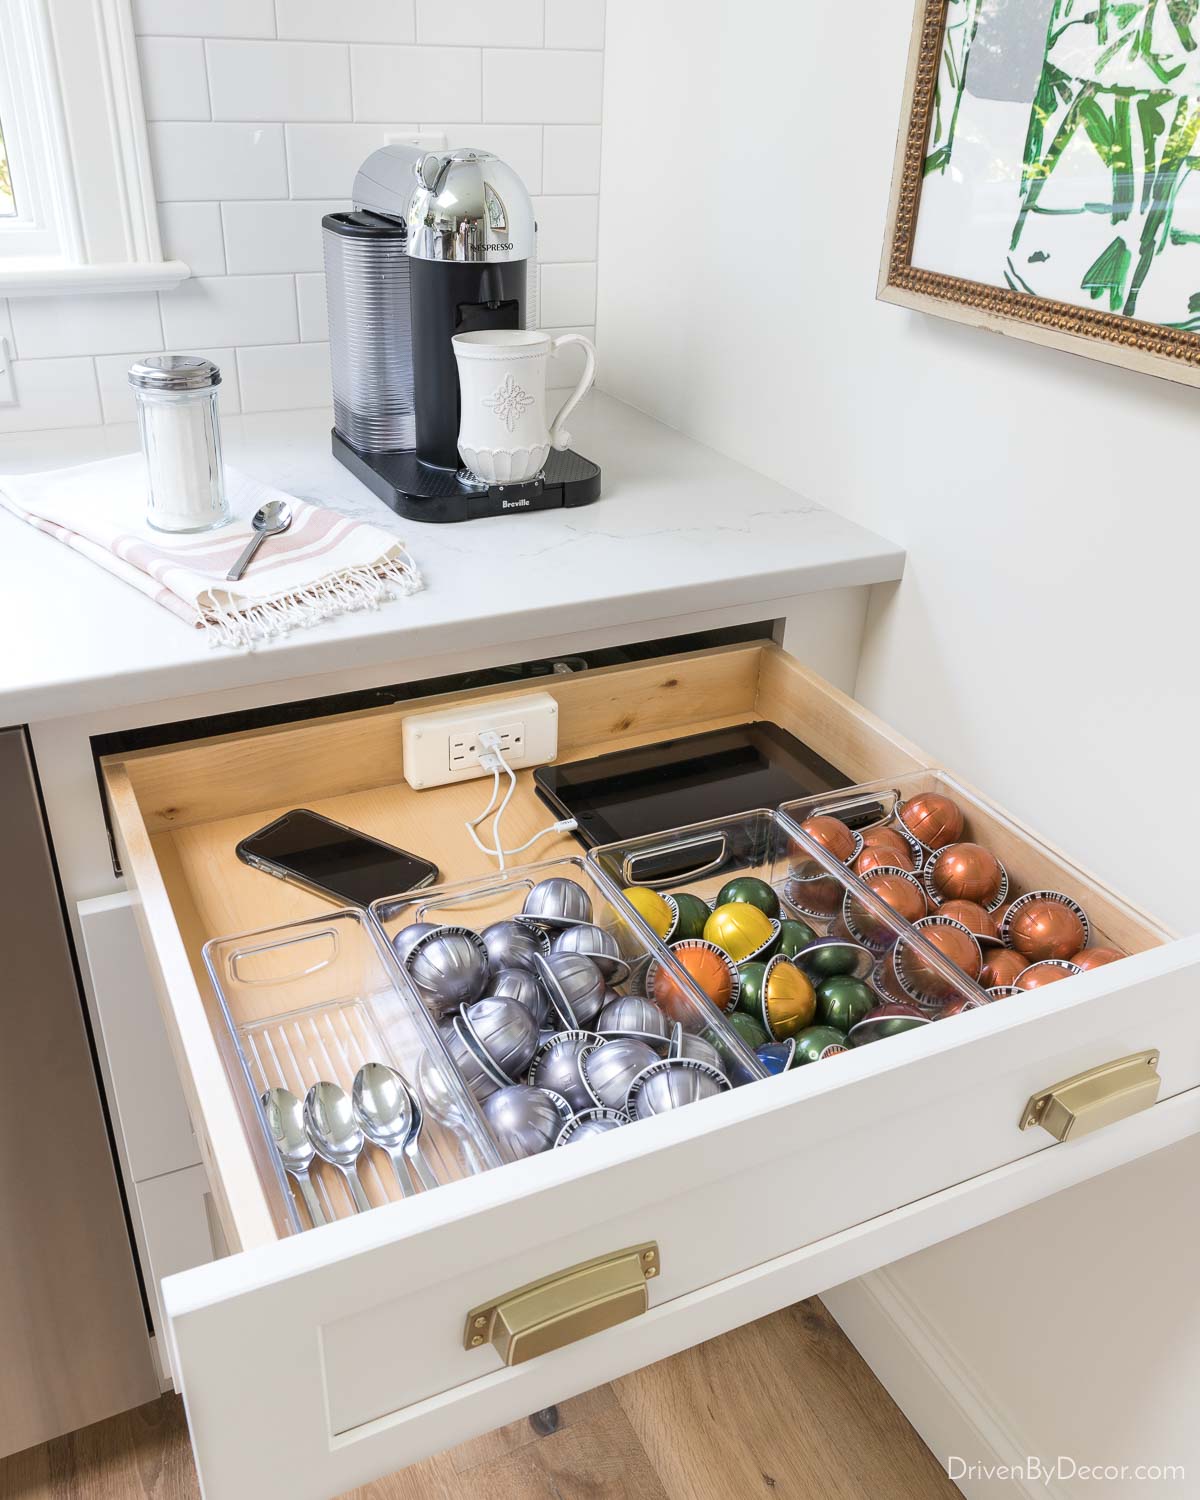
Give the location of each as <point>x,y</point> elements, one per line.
<point>176,398</point>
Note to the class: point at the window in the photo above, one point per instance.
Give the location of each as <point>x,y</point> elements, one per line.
<point>77,208</point>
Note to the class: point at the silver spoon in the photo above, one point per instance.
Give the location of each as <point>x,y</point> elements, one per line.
<point>383,1107</point>
<point>329,1120</point>
<point>412,1146</point>
<point>274,518</point>
<point>285,1121</point>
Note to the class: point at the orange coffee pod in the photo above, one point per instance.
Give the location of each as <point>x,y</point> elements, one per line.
<point>1045,924</point>
<point>975,918</point>
<point>966,872</point>
<point>1001,967</point>
<point>833,835</point>
<point>1048,971</point>
<point>932,819</point>
<point>712,971</point>
<point>1096,958</point>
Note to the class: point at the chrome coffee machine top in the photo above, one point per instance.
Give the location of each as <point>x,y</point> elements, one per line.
<point>436,245</point>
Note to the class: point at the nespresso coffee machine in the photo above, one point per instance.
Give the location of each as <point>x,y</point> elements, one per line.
<point>435,245</point>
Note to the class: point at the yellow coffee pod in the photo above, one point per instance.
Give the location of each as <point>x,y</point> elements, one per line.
<point>740,929</point>
<point>651,907</point>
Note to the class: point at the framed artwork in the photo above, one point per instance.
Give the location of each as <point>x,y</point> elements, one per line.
<point>1045,181</point>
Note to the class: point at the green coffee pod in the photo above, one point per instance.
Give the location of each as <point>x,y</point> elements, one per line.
<point>843,1001</point>
<point>691,915</point>
<point>750,1030</point>
<point>828,957</point>
<point>794,935</point>
<point>751,993</point>
<point>817,1042</point>
<point>751,890</point>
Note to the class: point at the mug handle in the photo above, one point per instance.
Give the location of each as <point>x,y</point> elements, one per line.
<point>560,438</point>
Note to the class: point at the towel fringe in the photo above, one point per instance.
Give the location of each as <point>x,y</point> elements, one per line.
<point>229,624</point>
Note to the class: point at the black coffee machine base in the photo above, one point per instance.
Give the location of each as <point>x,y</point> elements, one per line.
<point>419,493</point>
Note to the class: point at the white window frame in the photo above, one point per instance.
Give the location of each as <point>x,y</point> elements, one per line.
<point>75,128</point>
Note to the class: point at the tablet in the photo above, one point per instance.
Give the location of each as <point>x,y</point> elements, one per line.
<point>674,783</point>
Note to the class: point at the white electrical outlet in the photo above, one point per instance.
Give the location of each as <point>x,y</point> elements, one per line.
<point>445,745</point>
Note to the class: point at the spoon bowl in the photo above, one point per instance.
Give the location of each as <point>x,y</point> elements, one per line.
<point>334,1131</point>
<point>285,1121</point>
<point>383,1108</point>
<point>272,519</point>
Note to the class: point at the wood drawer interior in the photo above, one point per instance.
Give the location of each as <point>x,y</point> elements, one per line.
<point>179,811</point>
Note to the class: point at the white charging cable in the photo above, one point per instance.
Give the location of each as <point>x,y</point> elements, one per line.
<point>492,759</point>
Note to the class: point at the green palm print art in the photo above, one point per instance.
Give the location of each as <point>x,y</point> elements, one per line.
<point>962,21</point>
<point>1110,146</point>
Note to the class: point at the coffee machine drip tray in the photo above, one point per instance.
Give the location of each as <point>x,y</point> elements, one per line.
<point>420,493</point>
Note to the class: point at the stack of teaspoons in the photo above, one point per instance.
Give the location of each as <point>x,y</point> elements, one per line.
<point>534,1015</point>
<point>796,997</point>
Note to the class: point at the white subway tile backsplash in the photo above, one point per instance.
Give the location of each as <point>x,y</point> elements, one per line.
<point>575,23</point>
<point>204,17</point>
<point>322,159</point>
<point>568,296</point>
<point>191,232</point>
<point>281,378</point>
<point>428,83</point>
<point>567,228</point>
<point>278,80</point>
<point>217,160</point>
<point>357,21</point>
<point>174,81</point>
<point>102,324</point>
<point>571,159</point>
<point>265,237</point>
<point>116,398</point>
<point>52,393</point>
<point>480,23</point>
<point>519,145</point>
<point>231,310</point>
<point>314,319</point>
<point>566,364</point>
<point>557,88</point>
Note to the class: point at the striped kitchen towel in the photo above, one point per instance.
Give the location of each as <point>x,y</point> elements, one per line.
<point>325,564</point>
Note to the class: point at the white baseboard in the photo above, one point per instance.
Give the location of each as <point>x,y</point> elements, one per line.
<point>921,1372</point>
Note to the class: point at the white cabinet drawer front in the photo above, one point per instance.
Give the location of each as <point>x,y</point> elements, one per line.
<point>364,1318</point>
<point>177,1233</point>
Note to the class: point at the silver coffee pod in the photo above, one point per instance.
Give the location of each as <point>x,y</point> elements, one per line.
<point>408,937</point>
<point>598,945</point>
<point>589,1124</point>
<point>558,1065</point>
<point>558,902</point>
<point>633,1016</point>
<point>670,1084</point>
<point>450,966</point>
<point>576,988</point>
<point>610,1069</point>
<point>504,1034</point>
<point>525,1120</point>
<point>465,1058</point>
<point>526,989</point>
<point>513,945</point>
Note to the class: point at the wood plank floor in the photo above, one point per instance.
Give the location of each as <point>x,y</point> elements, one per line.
<point>782,1408</point>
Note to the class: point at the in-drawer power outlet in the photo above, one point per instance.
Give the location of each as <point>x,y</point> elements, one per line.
<point>445,746</point>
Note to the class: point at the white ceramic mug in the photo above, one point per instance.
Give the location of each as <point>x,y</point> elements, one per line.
<point>504,436</point>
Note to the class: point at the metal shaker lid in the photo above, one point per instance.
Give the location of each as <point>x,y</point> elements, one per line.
<point>469,206</point>
<point>174,372</point>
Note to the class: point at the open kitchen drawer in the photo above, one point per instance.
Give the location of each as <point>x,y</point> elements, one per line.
<point>311,1362</point>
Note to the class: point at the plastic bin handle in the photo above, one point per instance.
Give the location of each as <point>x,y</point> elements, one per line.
<point>634,861</point>
<point>244,955</point>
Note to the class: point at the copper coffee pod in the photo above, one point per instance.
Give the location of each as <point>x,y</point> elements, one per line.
<point>1002,991</point>
<point>810,888</point>
<point>1046,971</point>
<point>834,837</point>
<point>978,921</point>
<point>1001,966</point>
<point>897,889</point>
<point>884,981</point>
<point>1045,924</point>
<point>966,872</point>
<point>896,837</point>
<point>1096,958</point>
<point>933,819</point>
<point>879,856</point>
<point>967,1002</point>
<point>919,979</point>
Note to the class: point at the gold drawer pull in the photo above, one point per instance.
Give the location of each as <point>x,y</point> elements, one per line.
<point>1100,1097</point>
<point>564,1307</point>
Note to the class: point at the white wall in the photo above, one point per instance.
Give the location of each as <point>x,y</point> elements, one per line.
<point>260,112</point>
<point>1043,641</point>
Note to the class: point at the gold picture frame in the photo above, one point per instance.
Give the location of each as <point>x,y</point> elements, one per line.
<point>1095,333</point>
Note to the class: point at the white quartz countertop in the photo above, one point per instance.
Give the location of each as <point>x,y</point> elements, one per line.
<point>679,529</point>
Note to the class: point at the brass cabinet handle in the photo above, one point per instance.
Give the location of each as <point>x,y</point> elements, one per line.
<point>569,1305</point>
<point>1099,1097</point>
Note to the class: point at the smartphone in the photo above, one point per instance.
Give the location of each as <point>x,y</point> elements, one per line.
<point>339,863</point>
